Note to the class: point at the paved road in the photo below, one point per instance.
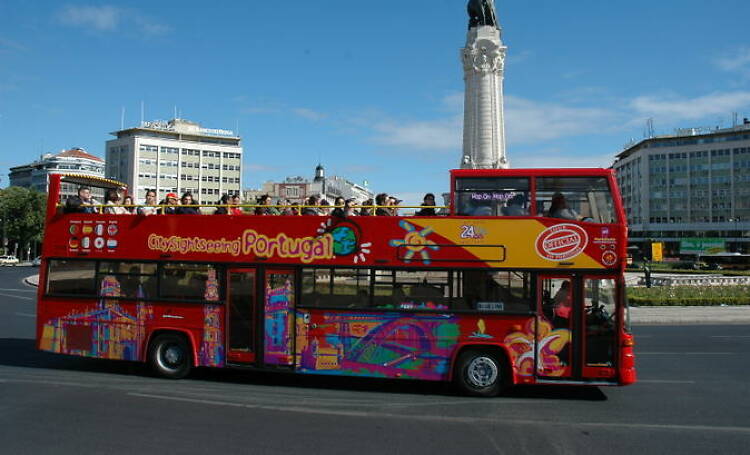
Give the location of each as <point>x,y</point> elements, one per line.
<point>692,398</point>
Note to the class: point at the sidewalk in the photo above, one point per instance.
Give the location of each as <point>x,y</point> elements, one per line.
<point>686,315</point>
<point>651,315</point>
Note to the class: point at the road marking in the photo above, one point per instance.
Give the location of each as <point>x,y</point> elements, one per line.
<point>17,290</point>
<point>17,296</point>
<point>663,381</point>
<point>730,336</point>
<point>26,315</point>
<point>444,419</point>
<point>686,353</point>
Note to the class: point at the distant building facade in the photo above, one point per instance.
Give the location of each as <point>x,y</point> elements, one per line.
<point>690,190</point>
<point>298,189</point>
<point>176,156</point>
<point>35,175</point>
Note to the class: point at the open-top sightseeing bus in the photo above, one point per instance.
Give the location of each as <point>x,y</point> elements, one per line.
<point>520,283</point>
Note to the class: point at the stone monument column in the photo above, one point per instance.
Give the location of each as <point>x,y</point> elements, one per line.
<point>484,63</point>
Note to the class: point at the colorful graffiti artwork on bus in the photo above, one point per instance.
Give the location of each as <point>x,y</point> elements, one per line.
<point>212,345</point>
<point>278,322</point>
<point>107,331</point>
<point>416,242</point>
<point>379,345</point>
<point>549,343</point>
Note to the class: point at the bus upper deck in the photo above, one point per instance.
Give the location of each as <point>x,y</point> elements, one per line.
<point>536,219</point>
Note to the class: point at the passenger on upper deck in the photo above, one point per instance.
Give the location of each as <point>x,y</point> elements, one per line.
<point>515,206</point>
<point>366,209</point>
<point>235,208</point>
<point>186,201</point>
<point>312,200</point>
<point>171,204</point>
<point>325,208</point>
<point>339,207</point>
<point>427,203</point>
<point>382,201</point>
<point>393,202</point>
<point>82,203</point>
<point>111,199</point>
<point>150,206</point>
<point>129,205</point>
<point>559,209</point>
<point>349,209</point>
<point>223,202</point>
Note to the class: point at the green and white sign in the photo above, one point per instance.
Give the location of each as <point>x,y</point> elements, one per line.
<point>702,246</point>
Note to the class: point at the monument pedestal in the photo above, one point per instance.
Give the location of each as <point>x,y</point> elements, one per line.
<point>484,122</point>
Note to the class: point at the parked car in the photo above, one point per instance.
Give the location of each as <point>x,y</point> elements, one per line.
<point>37,261</point>
<point>8,260</point>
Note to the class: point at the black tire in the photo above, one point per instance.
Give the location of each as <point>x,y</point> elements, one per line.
<point>170,356</point>
<point>480,373</point>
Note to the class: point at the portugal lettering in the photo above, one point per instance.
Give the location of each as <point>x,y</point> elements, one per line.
<point>306,249</point>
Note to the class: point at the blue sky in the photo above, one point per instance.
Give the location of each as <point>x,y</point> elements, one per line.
<point>372,89</point>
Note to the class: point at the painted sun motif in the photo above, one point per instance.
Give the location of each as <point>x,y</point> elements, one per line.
<point>416,242</point>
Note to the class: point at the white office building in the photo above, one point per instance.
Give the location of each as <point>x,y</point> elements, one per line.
<point>689,189</point>
<point>176,156</point>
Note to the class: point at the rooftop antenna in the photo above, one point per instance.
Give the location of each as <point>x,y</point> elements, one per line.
<point>649,128</point>
<point>175,111</point>
<point>122,118</point>
<point>143,110</point>
<point>735,118</point>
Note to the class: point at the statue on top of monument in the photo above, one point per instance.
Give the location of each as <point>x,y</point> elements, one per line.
<point>481,12</point>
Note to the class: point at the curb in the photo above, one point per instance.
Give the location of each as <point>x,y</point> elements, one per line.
<point>32,281</point>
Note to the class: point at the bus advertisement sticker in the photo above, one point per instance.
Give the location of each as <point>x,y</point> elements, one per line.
<point>561,242</point>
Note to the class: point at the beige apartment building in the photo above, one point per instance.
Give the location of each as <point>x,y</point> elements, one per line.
<point>176,156</point>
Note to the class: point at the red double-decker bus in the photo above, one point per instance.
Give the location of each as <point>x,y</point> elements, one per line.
<point>521,282</point>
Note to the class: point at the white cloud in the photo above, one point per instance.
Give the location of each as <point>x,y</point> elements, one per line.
<point>739,60</point>
<point>675,109</point>
<point>308,113</point>
<point>103,18</point>
<point>8,45</point>
<point>442,134</point>
<point>107,18</point>
<point>557,158</point>
<point>528,121</point>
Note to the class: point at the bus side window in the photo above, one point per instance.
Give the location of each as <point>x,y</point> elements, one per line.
<point>586,199</point>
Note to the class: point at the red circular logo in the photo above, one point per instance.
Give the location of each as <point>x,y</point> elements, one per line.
<point>561,242</point>
<point>609,258</point>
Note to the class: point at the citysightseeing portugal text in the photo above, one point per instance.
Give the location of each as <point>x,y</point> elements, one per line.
<point>306,249</point>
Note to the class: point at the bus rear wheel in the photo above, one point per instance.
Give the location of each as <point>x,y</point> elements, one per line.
<point>169,355</point>
<point>480,373</point>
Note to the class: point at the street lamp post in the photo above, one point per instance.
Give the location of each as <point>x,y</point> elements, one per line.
<point>737,239</point>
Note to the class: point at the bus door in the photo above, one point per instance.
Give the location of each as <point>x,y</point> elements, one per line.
<point>278,317</point>
<point>600,327</point>
<point>558,327</point>
<point>241,315</point>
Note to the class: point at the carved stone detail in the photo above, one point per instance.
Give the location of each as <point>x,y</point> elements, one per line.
<point>484,57</point>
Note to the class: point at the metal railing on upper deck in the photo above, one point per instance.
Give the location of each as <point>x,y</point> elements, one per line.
<point>296,208</point>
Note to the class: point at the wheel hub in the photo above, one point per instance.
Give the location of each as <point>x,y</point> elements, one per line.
<point>172,356</point>
<point>482,372</point>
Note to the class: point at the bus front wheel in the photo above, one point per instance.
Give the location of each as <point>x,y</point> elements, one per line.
<point>169,355</point>
<point>480,373</point>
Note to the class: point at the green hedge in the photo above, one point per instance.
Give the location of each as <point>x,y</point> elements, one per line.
<point>689,296</point>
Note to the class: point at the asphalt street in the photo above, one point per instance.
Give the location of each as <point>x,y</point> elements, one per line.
<point>692,397</point>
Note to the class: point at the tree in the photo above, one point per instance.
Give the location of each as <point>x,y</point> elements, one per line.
<point>22,212</point>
